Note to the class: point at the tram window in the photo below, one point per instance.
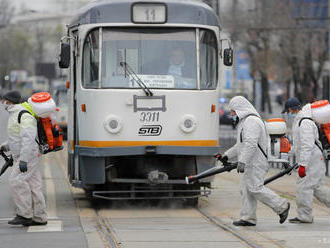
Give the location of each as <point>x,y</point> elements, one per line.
<point>148,52</point>
<point>90,72</point>
<point>208,60</point>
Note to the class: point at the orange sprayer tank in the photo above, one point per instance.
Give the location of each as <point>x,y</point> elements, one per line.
<point>285,146</point>
<point>326,129</point>
<point>42,104</point>
<point>50,135</point>
<point>321,111</point>
<point>47,126</point>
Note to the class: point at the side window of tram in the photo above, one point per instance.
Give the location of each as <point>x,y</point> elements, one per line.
<point>90,72</point>
<point>208,60</point>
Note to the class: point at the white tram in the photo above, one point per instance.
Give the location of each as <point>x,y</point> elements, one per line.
<point>143,94</point>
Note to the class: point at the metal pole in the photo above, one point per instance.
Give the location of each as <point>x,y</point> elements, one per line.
<point>325,81</point>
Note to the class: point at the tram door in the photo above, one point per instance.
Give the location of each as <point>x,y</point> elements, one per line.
<point>73,171</point>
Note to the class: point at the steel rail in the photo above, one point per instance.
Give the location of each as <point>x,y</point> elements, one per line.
<point>107,231</point>
<point>218,223</point>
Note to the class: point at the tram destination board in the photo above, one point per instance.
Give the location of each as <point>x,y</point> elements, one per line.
<point>149,13</point>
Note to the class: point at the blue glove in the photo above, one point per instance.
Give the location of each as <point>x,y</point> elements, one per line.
<point>240,167</point>
<point>23,166</point>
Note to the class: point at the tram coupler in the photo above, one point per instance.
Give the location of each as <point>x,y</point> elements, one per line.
<point>156,177</point>
<point>210,172</point>
<point>8,162</point>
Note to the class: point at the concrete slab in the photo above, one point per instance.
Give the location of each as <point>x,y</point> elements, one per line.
<point>225,204</point>
<point>183,244</point>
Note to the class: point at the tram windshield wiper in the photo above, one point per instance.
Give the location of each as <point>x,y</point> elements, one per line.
<point>136,78</point>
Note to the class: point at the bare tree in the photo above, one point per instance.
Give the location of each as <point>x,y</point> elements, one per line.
<point>6,12</point>
<point>304,48</point>
<point>249,32</point>
<point>275,36</point>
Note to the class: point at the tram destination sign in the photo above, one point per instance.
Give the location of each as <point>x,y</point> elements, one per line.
<point>149,13</point>
<point>154,81</point>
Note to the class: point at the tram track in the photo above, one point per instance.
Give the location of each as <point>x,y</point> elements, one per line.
<point>251,243</point>
<point>249,237</point>
<point>218,223</point>
<point>112,241</point>
<point>105,228</point>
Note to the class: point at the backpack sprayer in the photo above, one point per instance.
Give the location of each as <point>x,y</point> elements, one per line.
<point>50,136</point>
<point>321,115</point>
<point>8,162</point>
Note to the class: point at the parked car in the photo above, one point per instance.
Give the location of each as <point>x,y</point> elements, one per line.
<point>225,118</point>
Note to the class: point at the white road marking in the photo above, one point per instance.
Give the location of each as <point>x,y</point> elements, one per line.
<point>5,219</point>
<point>52,226</point>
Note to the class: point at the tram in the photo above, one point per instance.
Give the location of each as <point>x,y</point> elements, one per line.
<point>143,91</point>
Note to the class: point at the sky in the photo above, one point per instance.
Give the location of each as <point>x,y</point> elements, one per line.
<point>46,5</point>
<point>38,5</point>
<point>57,5</point>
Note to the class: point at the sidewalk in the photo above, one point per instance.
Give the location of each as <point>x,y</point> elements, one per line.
<point>63,228</point>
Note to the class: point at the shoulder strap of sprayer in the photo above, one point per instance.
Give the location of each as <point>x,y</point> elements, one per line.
<point>20,115</point>
<point>307,118</point>
<point>259,146</point>
<point>19,122</point>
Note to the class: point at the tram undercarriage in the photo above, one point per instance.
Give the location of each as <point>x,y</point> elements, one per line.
<point>143,177</point>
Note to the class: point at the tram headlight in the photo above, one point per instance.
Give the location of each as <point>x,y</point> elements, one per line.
<point>188,123</point>
<point>113,124</point>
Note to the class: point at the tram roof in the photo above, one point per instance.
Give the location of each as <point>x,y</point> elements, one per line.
<point>119,11</point>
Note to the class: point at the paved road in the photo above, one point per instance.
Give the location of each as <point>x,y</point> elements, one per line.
<point>3,124</point>
<point>146,225</point>
<point>78,222</point>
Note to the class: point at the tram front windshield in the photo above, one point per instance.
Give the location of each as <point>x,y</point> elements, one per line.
<point>161,58</point>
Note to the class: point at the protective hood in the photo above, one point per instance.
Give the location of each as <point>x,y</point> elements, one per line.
<point>306,111</point>
<point>13,108</point>
<point>242,107</point>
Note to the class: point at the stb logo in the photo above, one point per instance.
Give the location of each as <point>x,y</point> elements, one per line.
<point>150,130</point>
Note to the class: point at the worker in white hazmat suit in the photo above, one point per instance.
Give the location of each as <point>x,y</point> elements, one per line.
<point>250,151</point>
<point>25,180</point>
<point>309,156</point>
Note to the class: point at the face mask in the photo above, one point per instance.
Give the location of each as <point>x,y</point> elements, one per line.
<point>291,115</point>
<point>235,119</point>
<point>6,105</point>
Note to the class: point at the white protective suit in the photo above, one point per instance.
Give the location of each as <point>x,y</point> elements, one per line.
<point>26,187</point>
<point>253,132</point>
<point>308,154</point>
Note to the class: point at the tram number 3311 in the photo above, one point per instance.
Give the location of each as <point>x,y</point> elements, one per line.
<point>149,117</point>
